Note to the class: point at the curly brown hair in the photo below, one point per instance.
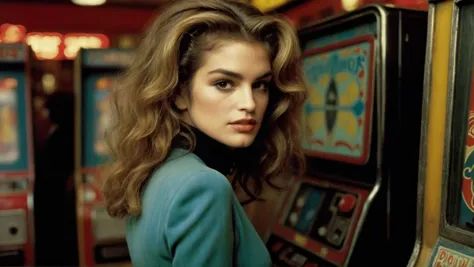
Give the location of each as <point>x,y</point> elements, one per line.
<point>146,121</point>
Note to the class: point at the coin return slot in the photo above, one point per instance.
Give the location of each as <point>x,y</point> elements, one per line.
<point>13,227</point>
<point>13,230</point>
<point>8,186</point>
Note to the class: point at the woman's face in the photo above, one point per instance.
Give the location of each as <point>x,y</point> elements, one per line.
<point>229,93</point>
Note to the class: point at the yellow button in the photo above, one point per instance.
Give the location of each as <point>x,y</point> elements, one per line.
<point>301,240</point>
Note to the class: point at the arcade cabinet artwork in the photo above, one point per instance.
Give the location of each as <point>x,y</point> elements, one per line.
<point>361,123</point>
<point>446,230</point>
<point>16,159</point>
<point>466,207</point>
<point>9,151</point>
<point>339,111</point>
<point>101,238</point>
<point>102,112</point>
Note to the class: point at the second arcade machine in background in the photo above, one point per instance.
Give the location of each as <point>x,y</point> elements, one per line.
<point>446,204</point>
<point>356,206</point>
<point>101,238</point>
<point>16,159</point>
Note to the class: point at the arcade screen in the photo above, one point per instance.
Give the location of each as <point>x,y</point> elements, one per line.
<point>9,143</point>
<point>337,115</point>
<point>97,117</point>
<point>466,212</point>
<point>13,132</point>
<point>458,195</point>
<point>323,214</point>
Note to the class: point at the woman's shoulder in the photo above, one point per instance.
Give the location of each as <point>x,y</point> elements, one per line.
<point>182,190</point>
<point>183,165</point>
<point>183,172</point>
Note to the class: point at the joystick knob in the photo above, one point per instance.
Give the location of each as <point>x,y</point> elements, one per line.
<point>347,203</point>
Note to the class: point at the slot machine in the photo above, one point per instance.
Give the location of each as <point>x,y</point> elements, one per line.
<point>101,237</point>
<point>356,204</point>
<point>16,158</point>
<point>446,203</point>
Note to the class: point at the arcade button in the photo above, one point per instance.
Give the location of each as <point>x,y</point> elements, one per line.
<point>300,202</point>
<point>293,218</point>
<point>15,186</point>
<point>89,195</point>
<point>347,203</point>
<point>322,231</point>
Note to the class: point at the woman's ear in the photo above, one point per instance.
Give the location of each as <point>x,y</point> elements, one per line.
<point>181,103</point>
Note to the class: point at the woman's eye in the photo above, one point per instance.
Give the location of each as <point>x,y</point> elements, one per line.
<point>224,85</point>
<point>261,86</point>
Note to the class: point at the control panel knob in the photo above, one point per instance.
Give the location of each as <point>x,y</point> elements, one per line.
<point>347,203</point>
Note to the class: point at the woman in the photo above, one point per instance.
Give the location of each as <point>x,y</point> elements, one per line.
<point>215,90</point>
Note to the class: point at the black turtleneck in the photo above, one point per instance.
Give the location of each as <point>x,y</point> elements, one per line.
<point>213,153</point>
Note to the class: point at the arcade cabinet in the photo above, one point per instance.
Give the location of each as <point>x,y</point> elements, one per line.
<point>356,205</point>
<point>16,159</point>
<point>446,204</point>
<point>101,237</point>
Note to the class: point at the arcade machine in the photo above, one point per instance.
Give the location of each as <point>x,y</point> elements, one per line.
<point>101,237</point>
<point>356,205</point>
<point>446,204</point>
<point>16,159</point>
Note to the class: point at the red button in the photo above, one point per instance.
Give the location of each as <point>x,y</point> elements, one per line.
<point>347,203</point>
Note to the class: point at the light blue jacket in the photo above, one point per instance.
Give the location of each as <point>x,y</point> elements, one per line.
<point>191,218</point>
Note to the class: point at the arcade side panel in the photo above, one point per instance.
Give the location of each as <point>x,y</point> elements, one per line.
<point>455,245</point>
<point>361,123</point>
<point>101,238</point>
<point>16,159</point>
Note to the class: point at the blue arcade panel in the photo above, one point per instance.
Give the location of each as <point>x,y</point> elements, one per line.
<point>339,69</point>
<point>305,209</point>
<point>13,110</point>
<point>96,117</point>
<point>99,71</point>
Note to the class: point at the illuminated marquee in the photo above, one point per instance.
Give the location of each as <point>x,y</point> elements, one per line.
<point>52,45</point>
<point>73,42</point>
<point>55,46</point>
<point>11,33</point>
<point>45,46</point>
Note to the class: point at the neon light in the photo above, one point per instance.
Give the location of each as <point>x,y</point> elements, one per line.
<point>55,46</point>
<point>73,42</point>
<point>12,33</point>
<point>45,45</point>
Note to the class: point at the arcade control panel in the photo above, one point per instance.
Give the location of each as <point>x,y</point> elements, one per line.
<point>321,218</point>
<point>16,158</point>
<point>361,121</point>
